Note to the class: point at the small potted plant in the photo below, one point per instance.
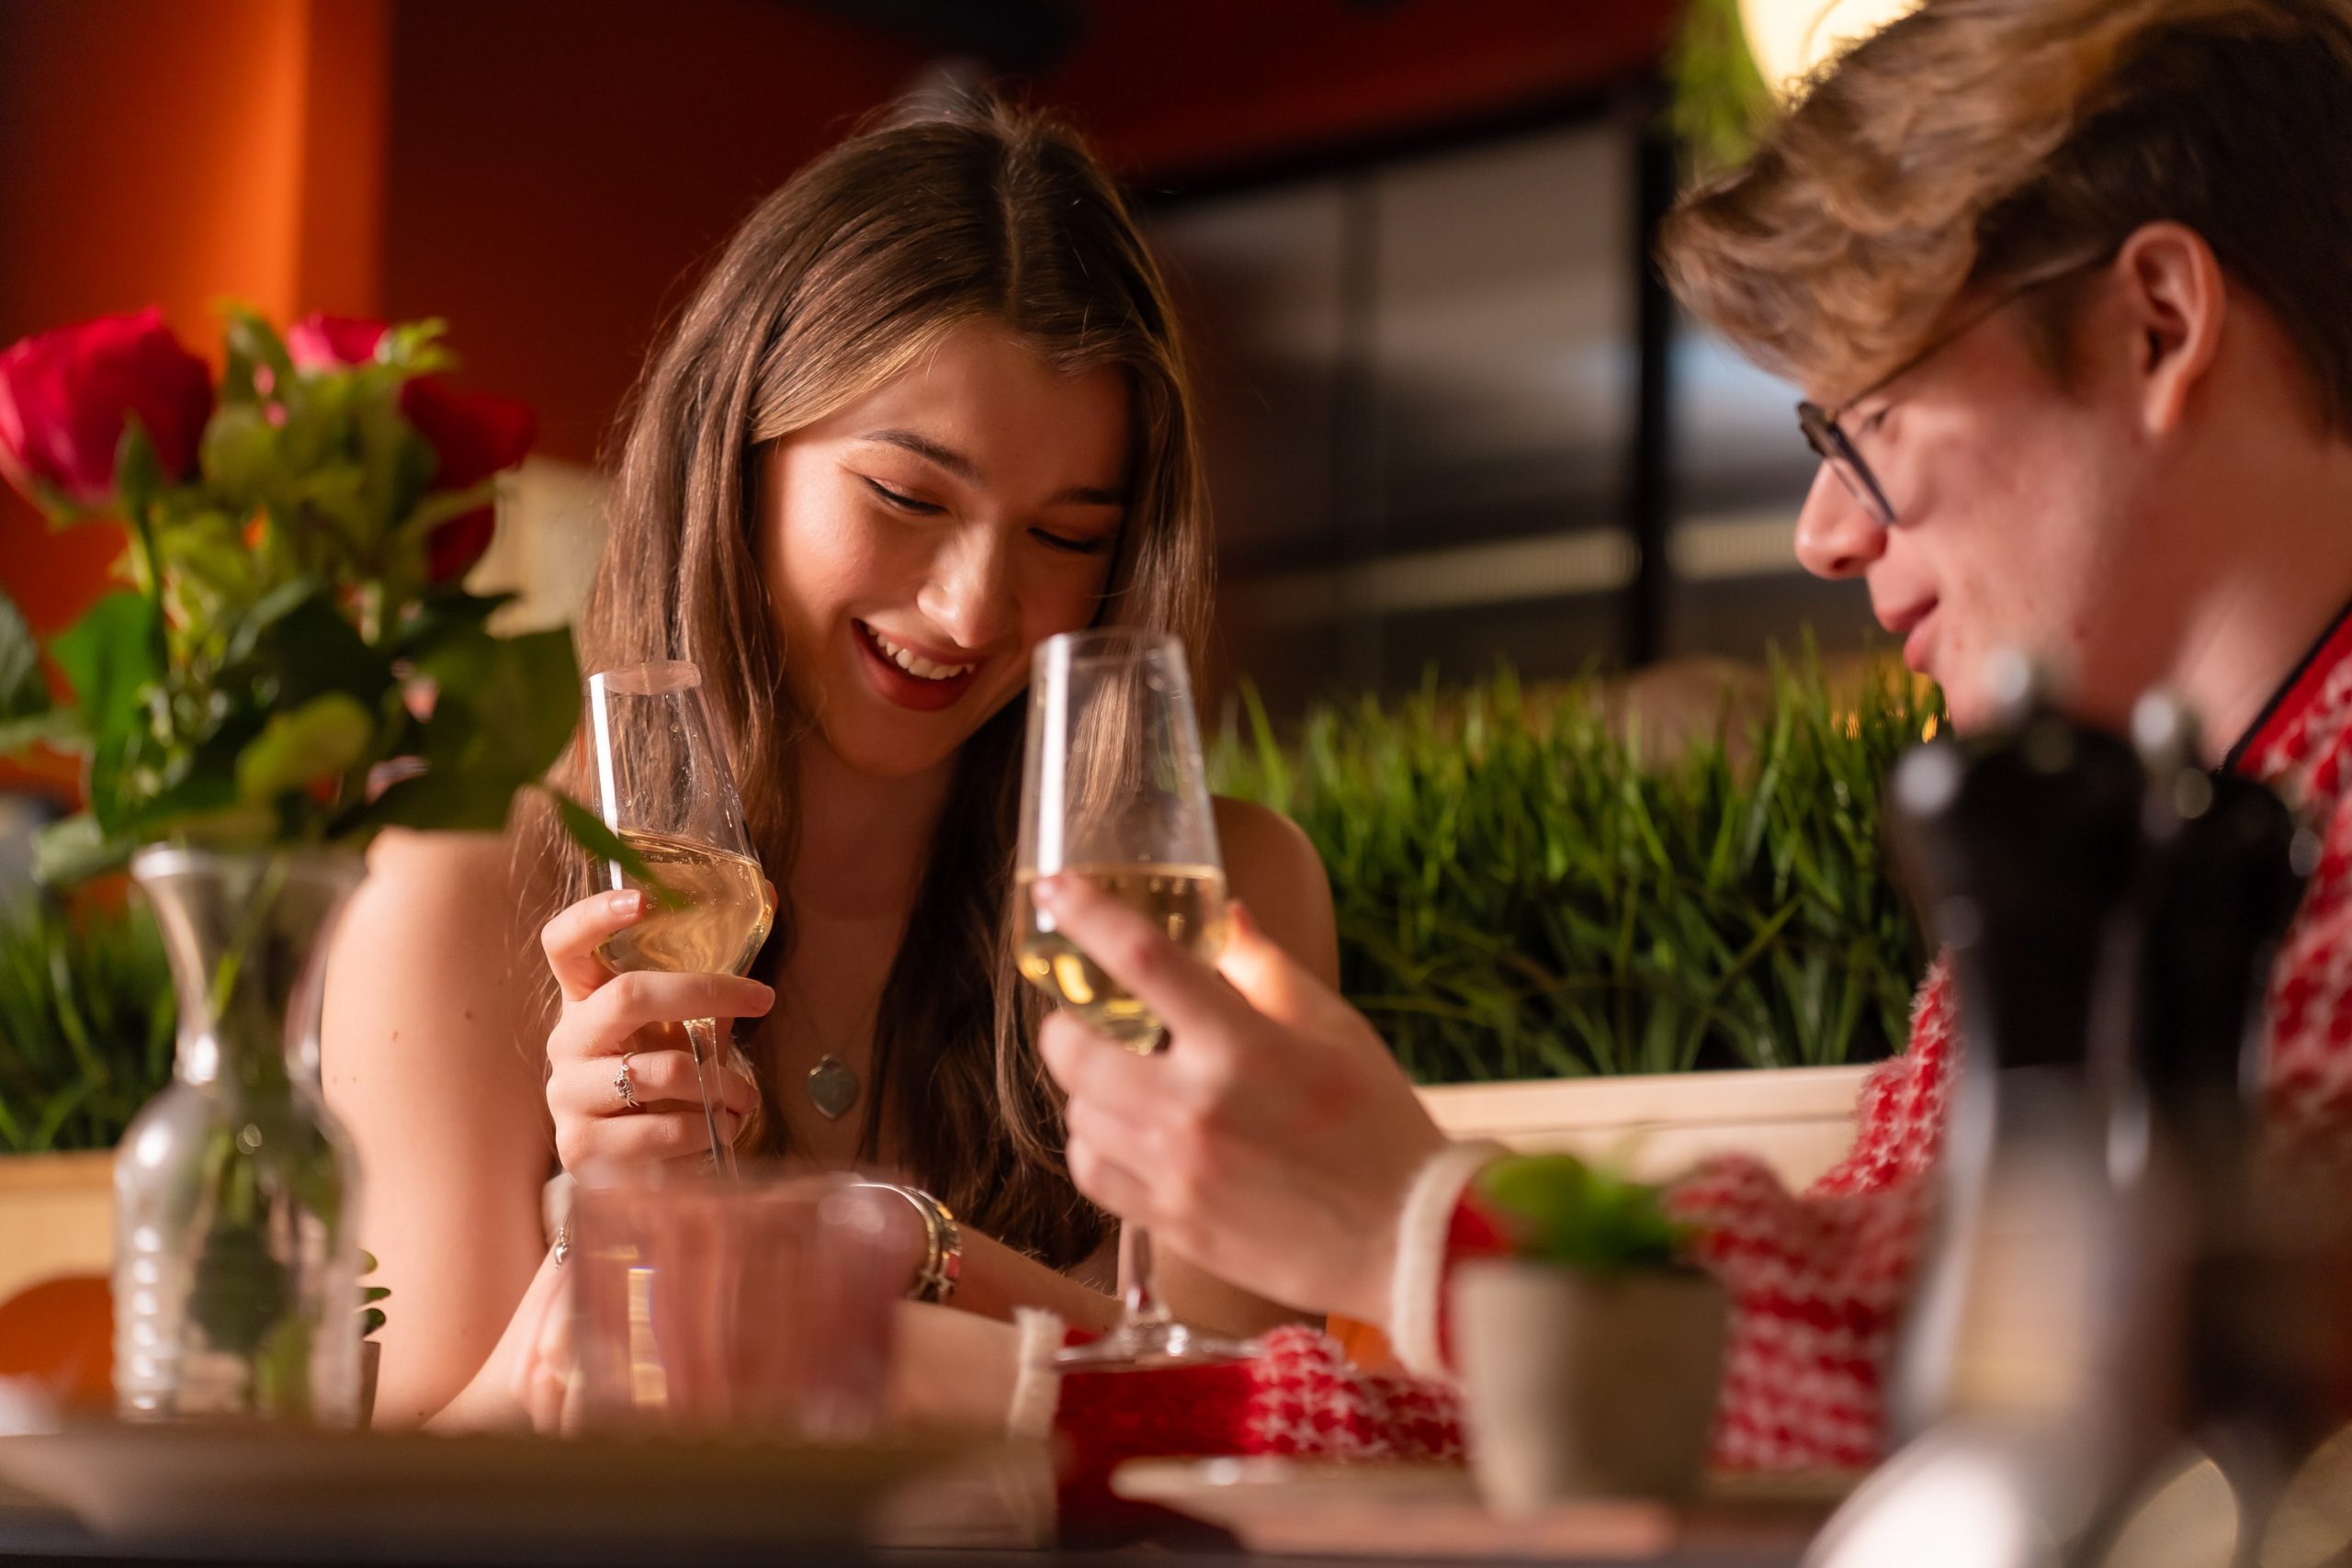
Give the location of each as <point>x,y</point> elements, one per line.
<point>1592,1354</point>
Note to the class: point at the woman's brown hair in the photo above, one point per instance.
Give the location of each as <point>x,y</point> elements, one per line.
<point>1974,143</point>
<point>835,284</point>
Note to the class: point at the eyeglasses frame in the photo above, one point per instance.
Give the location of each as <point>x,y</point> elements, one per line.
<point>1834,447</point>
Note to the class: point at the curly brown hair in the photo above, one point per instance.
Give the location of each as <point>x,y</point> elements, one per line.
<point>1974,143</point>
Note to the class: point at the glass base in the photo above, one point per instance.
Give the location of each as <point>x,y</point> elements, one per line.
<point>1142,1347</point>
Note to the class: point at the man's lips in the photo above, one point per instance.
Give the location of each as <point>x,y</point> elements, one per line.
<point>1915,643</point>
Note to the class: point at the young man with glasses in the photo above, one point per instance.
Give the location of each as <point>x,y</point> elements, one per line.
<point>2066,282</point>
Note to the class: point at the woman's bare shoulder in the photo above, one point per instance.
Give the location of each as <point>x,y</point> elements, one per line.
<point>438,953</point>
<point>1271,866</point>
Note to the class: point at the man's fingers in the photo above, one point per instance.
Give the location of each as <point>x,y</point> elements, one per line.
<point>1128,1139</point>
<point>1270,979</point>
<point>1102,1178</point>
<point>571,938</point>
<point>1184,992</point>
<point>1089,1068</point>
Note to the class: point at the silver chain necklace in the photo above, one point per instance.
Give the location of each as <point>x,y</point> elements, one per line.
<point>833,1085</point>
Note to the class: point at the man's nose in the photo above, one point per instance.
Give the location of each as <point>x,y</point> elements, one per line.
<point>1835,538</point>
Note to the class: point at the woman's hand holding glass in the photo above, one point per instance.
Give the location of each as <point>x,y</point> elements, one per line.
<point>640,1016</point>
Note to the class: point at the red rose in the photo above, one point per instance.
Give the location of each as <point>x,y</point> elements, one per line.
<point>472,433</point>
<point>66,395</point>
<point>475,434</point>
<point>320,342</point>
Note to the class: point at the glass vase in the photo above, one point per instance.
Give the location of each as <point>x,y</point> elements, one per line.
<point>236,1291</point>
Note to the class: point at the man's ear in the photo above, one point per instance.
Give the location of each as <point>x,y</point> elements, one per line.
<point>2174,299</point>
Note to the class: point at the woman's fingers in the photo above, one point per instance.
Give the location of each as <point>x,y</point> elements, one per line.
<point>640,1138</point>
<point>604,1024</point>
<point>660,1080</point>
<point>543,1373</point>
<point>571,938</point>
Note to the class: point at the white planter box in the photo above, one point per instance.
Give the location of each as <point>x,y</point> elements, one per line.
<point>56,1217</point>
<point>57,1210</point>
<point>1799,1120</point>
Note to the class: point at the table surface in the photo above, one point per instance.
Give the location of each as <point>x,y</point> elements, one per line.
<point>259,1497</point>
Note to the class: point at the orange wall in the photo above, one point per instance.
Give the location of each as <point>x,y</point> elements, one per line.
<point>558,167</point>
<point>153,152</point>
<point>547,175</point>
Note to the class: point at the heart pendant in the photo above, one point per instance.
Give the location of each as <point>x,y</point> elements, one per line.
<point>832,1087</point>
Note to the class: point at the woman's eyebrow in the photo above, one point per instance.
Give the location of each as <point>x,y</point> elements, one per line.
<point>964,469</point>
<point>931,451</point>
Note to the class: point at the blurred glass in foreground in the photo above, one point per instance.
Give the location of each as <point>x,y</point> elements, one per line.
<point>762,1307</point>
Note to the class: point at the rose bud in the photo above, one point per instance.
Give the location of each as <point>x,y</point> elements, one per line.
<point>66,395</point>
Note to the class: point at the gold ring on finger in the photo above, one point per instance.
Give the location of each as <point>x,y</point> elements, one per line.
<point>624,1087</point>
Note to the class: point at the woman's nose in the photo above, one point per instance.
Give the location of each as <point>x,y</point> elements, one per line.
<point>969,593</point>
<point>1835,538</point>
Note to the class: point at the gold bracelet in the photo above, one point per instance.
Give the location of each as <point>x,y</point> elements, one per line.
<point>942,1264</point>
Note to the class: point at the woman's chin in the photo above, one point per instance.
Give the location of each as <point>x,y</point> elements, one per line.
<point>883,757</point>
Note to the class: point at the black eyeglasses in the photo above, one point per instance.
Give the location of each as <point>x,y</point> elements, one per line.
<point>1835,448</point>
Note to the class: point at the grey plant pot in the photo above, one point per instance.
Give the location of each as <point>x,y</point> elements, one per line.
<point>1579,1386</point>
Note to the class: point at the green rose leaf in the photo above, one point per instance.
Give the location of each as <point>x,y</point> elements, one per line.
<point>76,849</point>
<point>443,616</point>
<point>23,692</point>
<point>504,709</point>
<point>240,452</point>
<point>110,659</point>
<point>321,740</point>
<point>301,640</point>
<point>138,472</point>
<point>254,345</point>
<point>588,830</point>
<point>58,726</point>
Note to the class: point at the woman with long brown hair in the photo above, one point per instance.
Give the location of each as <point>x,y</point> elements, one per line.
<point>927,410</point>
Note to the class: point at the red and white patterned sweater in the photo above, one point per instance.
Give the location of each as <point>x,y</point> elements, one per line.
<point>1817,1280</point>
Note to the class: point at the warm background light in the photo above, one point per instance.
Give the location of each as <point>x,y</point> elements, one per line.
<point>1789,38</point>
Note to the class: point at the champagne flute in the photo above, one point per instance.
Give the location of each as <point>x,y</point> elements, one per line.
<point>663,787</point>
<point>1113,790</point>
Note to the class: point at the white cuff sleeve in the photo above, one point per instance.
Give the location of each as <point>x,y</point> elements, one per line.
<point>1036,1386</point>
<point>1419,1276</point>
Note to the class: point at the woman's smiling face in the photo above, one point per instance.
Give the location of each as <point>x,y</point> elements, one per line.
<point>918,544</point>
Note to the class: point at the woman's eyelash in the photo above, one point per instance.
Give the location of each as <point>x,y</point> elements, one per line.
<point>904,503</point>
<point>1877,419</point>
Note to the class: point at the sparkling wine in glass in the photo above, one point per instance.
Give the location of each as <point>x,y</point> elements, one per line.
<point>1113,790</point>
<point>663,787</point>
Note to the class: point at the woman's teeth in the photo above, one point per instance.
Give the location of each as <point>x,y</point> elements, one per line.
<point>913,663</point>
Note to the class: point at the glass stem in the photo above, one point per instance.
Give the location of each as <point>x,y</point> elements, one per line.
<point>710,1060</point>
<point>1139,1291</point>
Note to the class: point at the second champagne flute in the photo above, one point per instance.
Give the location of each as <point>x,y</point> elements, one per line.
<point>1113,790</point>
<point>664,787</point>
